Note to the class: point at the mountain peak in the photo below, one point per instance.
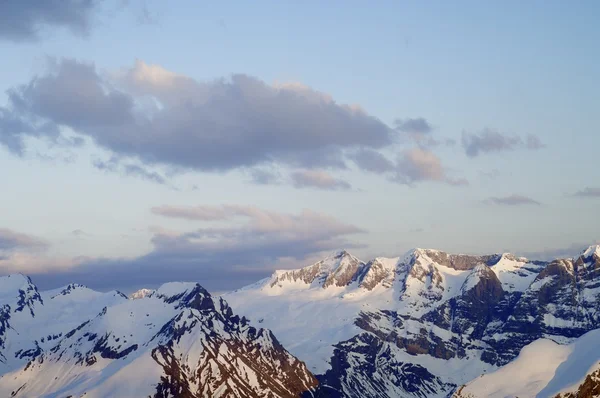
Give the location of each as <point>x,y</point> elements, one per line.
<point>591,251</point>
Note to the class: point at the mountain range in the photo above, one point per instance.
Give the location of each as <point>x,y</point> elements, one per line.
<point>426,324</point>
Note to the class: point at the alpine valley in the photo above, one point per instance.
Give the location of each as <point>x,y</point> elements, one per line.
<point>426,324</point>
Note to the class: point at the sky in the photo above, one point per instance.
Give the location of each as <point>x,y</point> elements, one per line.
<point>143,141</point>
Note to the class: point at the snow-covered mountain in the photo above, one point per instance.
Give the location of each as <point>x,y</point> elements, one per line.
<point>426,324</point>
<point>422,324</point>
<point>178,342</point>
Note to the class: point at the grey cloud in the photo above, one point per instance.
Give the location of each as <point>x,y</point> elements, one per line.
<point>139,171</point>
<point>490,140</point>
<point>413,126</point>
<point>14,129</point>
<point>218,125</point>
<point>265,177</point>
<point>420,164</point>
<point>79,233</point>
<point>512,200</point>
<point>418,130</point>
<point>220,258</point>
<point>372,161</point>
<point>11,240</point>
<point>588,192</point>
<point>133,170</point>
<point>202,213</point>
<point>23,20</point>
<point>318,179</point>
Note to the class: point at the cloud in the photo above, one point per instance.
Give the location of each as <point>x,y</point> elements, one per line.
<point>132,170</point>
<point>13,130</point>
<point>420,164</point>
<point>25,253</point>
<point>36,264</point>
<point>318,179</point>
<point>588,192</point>
<point>372,161</point>
<point>224,257</point>
<point>159,117</point>
<point>79,233</point>
<point>264,177</point>
<point>512,200</point>
<point>25,20</point>
<point>489,141</point>
<point>147,117</point>
<point>11,240</point>
<point>413,126</point>
<point>534,142</point>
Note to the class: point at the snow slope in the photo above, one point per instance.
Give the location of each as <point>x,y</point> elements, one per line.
<point>542,369</point>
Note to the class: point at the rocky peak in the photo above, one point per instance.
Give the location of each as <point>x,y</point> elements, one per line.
<point>589,259</point>
<point>141,294</point>
<point>592,251</point>
<point>339,269</point>
<point>483,278</point>
<point>344,270</point>
<point>459,262</point>
<point>379,271</point>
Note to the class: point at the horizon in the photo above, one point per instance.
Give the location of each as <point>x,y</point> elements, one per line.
<point>143,142</point>
<point>129,291</point>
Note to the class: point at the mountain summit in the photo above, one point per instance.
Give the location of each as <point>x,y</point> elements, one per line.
<point>422,324</point>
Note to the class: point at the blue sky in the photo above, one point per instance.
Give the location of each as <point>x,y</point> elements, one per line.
<point>483,118</point>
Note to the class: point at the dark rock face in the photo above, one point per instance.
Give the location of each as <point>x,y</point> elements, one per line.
<point>461,262</point>
<point>365,366</point>
<point>28,297</point>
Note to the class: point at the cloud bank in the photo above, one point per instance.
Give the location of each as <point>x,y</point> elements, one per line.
<point>229,247</point>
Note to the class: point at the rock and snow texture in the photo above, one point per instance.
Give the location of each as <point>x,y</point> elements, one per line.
<point>178,342</point>
<point>422,324</point>
<point>544,369</point>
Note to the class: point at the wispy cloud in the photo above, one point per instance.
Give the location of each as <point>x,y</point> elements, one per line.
<point>12,240</point>
<point>512,200</point>
<point>489,141</point>
<point>413,126</point>
<point>588,192</point>
<point>116,166</point>
<point>265,177</point>
<point>318,179</point>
